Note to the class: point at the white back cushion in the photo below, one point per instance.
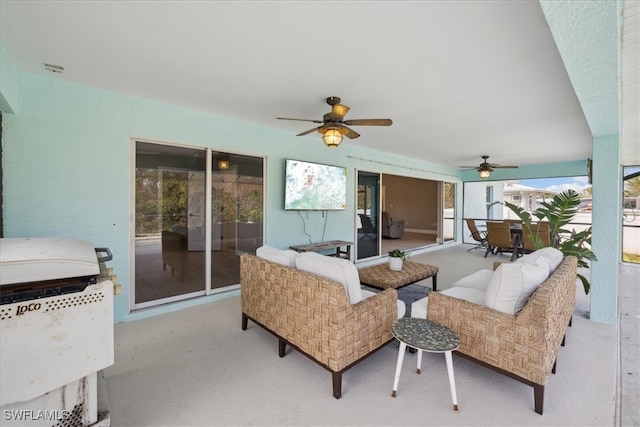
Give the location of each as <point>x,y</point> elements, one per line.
<point>553,255</point>
<point>338,269</point>
<point>512,285</point>
<point>549,257</point>
<point>478,280</point>
<point>281,256</point>
<point>537,260</point>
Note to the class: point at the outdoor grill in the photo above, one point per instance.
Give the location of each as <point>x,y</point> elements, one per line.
<point>56,321</point>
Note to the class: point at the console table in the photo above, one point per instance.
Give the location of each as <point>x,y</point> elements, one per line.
<point>321,246</point>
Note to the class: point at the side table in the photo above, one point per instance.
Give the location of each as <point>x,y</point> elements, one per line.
<point>425,335</point>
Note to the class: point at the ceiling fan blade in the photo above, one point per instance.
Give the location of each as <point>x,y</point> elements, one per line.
<point>306,132</point>
<point>503,167</point>
<point>369,122</point>
<point>469,167</point>
<point>300,120</point>
<point>349,133</point>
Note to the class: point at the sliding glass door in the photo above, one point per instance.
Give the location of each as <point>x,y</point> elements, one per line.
<point>402,212</point>
<point>368,215</point>
<point>196,211</point>
<point>169,222</point>
<point>448,229</point>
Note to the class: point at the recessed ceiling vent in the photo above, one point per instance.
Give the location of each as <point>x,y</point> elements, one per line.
<point>54,68</point>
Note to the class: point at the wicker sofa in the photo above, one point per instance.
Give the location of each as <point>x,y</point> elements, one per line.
<point>314,315</point>
<point>524,345</point>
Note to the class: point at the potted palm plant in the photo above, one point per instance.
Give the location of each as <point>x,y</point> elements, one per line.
<point>396,257</point>
<point>559,212</point>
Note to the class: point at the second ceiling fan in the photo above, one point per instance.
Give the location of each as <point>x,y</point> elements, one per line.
<point>333,126</point>
<point>485,168</point>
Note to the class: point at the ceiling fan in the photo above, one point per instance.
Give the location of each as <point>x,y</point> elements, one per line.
<point>333,126</point>
<point>485,168</point>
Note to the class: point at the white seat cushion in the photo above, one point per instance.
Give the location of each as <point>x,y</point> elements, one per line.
<point>338,269</point>
<point>478,280</point>
<point>402,308</point>
<point>419,308</point>
<point>281,256</point>
<point>475,296</point>
<point>512,285</point>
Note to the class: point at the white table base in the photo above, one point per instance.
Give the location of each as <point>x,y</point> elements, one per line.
<point>448,359</point>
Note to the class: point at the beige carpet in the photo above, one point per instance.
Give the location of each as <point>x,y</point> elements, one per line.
<point>197,367</point>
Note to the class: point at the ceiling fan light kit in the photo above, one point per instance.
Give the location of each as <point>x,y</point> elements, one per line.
<point>484,173</point>
<point>334,128</point>
<point>332,137</point>
<point>223,165</point>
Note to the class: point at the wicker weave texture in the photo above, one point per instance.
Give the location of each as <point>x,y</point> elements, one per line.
<point>382,276</point>
<point>525,344</point>
<point>313,313</point>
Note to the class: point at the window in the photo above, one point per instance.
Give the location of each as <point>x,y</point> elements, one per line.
<point>631,215</point>
<point>531,191</point>
<point>188,239</point>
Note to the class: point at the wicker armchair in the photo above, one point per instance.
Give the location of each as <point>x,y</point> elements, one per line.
<point>522,346</point>
<point>313,315</point>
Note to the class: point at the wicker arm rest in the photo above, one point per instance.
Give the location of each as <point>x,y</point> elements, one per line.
<point>365,327</point>
<point>514,343</point>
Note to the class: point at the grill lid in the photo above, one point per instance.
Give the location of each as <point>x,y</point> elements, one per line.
<point>35,259</point>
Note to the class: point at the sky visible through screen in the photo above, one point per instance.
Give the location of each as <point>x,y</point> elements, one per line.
<point>558,185</point>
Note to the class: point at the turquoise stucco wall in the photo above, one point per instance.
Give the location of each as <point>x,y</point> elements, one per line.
<point>8,89</point>
<point>67,163</point>
<point>607,223</point>
<point>68,169</point>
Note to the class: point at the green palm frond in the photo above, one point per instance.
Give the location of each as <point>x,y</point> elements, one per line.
<point>559,212</point>
<point>524,216</point>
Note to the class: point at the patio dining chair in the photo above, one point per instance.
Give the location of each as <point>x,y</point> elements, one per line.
<point>500,239</point>
<point>540,229</point>
<point>477,235</point>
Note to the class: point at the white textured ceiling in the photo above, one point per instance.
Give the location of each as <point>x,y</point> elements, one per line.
<point>459,78</point>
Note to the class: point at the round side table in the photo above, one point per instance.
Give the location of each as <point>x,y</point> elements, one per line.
<point>425,335</point>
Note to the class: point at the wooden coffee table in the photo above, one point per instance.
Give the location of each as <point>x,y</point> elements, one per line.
<point>381,277</point>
